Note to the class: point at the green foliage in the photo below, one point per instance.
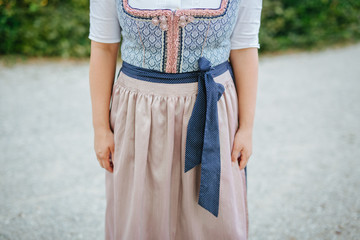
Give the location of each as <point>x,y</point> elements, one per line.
<point>308,23</point>
<point>38,28</point>
<point>61,27</point>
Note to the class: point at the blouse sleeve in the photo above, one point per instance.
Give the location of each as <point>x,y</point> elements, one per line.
<point>104,22</point>
<point>246,31</point>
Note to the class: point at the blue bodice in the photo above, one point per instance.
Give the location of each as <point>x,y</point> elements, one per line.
<point>172,41</point>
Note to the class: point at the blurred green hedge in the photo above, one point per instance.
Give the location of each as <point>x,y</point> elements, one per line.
<point>42,28</point>
<point>61,27</point>
<point>308,23</point>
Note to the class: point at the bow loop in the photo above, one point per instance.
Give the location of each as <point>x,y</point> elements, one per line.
<point>204,64</point>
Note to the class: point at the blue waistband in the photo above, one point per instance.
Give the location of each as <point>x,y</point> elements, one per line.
<point>163,77</point>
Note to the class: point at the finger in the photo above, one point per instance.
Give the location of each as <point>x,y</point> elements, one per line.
<point>235,155</point>
<point>112,151</point>
<point>112,148</point>
<point>102,157</point>
<point>235,152</point>
<point>112,157</point>
<point>243,159</point>
<point>111,160</point>
<point>107,165</point>
<point>108,161</point>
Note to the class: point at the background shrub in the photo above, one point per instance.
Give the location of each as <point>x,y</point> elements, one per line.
<point>41,28</point>
<point>61,27</point>
<point>308,23</point>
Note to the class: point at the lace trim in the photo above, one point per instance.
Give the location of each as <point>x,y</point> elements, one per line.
<point>203,11</point>
<point>191,11</point>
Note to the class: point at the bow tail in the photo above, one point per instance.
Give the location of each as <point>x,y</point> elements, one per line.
<point>210,163</point>
<point>195,129</point>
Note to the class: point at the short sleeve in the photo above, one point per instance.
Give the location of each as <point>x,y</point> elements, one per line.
<point>246,30</point>
<point>104,22</point>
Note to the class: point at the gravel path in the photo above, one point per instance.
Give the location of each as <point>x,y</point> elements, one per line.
<point>303,176</point>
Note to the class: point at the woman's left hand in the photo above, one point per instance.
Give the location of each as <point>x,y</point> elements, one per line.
<point>242,145</point>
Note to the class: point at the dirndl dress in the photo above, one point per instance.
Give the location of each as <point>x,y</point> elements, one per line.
<point>174,123</point>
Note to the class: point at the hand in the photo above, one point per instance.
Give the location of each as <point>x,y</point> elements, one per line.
<point>243,146</point>
<point>104,148</point>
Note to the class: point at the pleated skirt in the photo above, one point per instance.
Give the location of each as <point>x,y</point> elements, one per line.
<point>149,196</point>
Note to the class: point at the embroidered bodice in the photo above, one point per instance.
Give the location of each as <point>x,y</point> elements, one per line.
<point>172,40</point>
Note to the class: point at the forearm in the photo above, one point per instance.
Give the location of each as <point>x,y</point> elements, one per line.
<point>101,76</point>
<point>245,67</point>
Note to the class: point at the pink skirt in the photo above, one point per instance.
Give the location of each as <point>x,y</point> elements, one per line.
<point>148,195</point>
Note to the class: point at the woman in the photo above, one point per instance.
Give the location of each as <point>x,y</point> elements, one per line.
<point>174,131</point>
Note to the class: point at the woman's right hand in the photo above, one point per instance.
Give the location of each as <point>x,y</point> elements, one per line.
<point>104,148</point>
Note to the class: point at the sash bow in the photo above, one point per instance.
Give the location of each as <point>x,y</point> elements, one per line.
<point>202,140</point>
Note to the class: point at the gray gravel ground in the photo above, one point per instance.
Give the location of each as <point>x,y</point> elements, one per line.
<point>303,176</point>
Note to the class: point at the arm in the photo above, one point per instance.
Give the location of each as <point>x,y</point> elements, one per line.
<point>101,76</point>
<point>245,67</point>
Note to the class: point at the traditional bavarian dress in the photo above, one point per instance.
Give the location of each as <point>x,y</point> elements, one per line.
<point>174,115</point>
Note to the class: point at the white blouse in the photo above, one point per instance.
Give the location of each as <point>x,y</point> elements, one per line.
<point>105,27</point>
